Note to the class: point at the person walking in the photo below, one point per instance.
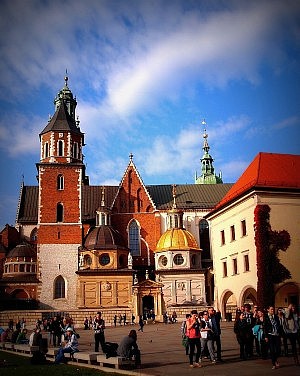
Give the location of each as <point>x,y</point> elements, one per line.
<point>141,323</point>
<point>99,326</point>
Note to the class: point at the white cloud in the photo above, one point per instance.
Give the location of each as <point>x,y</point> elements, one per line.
<point>134,57</point>
<point>286,123</point>
<point>232,170</point>
<point>21,137</point>
<point>182,152</point>
<point>214,50</point>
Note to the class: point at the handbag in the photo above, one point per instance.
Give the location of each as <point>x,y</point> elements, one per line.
<point>185,341</point>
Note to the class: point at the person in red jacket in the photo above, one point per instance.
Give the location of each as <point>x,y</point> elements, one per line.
<point>193,334</point>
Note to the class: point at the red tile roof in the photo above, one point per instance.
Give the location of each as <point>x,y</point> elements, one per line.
<point>267,170</point>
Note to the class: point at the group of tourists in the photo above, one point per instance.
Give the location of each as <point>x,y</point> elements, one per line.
<point>170,318</point>
<point>127,348</point>
<point>267,331</point>
<point>263,331</point>
<point>201,336</point>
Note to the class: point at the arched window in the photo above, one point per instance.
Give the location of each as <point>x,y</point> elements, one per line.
<point>34,235</point>
<point>60,182</point>
<point>60,148</point>
<point>46,150</point>
<point>59,288</point>
<point>59,212</point>
<point>134,238</point>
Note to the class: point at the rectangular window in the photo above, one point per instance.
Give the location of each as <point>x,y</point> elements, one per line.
<point>234,266</point>
<point>232,231</point>
<point>246,263</point>
<point>244,229</point>
<point>225,269</point>
<point>222,237</point>
<point>188,223</point>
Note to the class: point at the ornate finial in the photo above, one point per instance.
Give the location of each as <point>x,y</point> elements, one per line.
<point>102,199</point>
<point>174,195</point>
<point>66,78</point>
<point>131,157</point>
<point>77,121</point>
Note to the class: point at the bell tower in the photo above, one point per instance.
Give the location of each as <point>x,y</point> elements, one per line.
<point>61,175</point>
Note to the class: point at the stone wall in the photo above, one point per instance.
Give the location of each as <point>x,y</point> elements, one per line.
<point>78,316</point>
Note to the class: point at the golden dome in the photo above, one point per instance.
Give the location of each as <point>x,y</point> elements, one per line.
<point>177,239</point>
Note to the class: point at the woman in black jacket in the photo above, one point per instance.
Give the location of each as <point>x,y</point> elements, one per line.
<point>243,333</point>
<point>272,335</point>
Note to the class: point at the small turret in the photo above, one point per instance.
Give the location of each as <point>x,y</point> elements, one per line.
<point>65,95</point>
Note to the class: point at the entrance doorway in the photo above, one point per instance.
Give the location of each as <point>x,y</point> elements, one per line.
<point>148,306</point>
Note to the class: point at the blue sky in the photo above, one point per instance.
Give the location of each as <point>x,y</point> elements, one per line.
<point>145,74</point>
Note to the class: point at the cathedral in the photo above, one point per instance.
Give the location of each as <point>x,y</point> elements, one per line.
<point>139,248</point>
<point>132,246</point>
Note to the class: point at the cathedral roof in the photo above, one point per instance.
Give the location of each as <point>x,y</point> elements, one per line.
<point>177,239</point>
<point>266,171</point>
<point>189,197</point>
<point>61,121</point>
<point>104,237</point>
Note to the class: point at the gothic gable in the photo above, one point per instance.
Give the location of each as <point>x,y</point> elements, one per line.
<point>132,195</point>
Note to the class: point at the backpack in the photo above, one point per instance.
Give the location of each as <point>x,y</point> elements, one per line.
<point>110,349</point>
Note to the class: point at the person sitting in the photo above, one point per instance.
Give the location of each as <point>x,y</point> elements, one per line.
<point>5,335</point>
<point>70,346</point>
<point>15,335</point>
<point>22,337</point>
<point>128,348</point>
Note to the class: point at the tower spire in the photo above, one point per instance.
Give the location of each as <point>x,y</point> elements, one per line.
<point>208,175</point>
<point>65,96</point>
<point>174,206</point>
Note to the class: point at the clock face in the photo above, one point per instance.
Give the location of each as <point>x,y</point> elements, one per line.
<point>104,259</point>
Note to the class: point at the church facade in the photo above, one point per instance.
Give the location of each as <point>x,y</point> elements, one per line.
<point>95,246</point>
<point>137,248</point>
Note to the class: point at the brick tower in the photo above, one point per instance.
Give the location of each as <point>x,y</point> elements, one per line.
<point>61,174</point>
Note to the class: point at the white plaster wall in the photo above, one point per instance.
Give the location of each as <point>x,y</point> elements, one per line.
<point>55,260</point>
<point>284,215</point>
<point>231,249</point>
